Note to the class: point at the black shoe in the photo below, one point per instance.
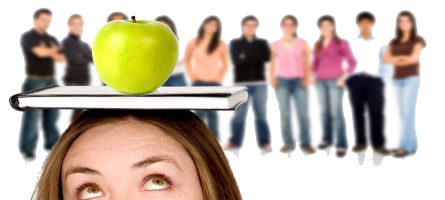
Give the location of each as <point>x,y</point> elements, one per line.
<point>29,157</point>
<point>340,154</point>
<point>324,145</point>
<point>382,150</point>
<point>308,149</point>
<point>359,147</point>
<point>396,154</point>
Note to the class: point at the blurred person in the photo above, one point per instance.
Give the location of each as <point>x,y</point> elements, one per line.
<point>111,154</point>
<point>206,63</point>
<point>329,53</point>
<point>40,50</point>
<point>289,75</point>
<point>404,52</point>
<point>366,87</point>
<point>177,78</point>
<point>249,55</point>
<point>78,56</point>
<point>117,16</point>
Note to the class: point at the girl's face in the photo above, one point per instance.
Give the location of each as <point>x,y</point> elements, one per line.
<point>288,27</point>
<point>211,27</point>
<point>128,159</point>
<point>326,28</point>
<point>76,26</point>
<point>405,23</point>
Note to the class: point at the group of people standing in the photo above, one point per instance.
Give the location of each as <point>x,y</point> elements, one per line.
<point>291,71</point>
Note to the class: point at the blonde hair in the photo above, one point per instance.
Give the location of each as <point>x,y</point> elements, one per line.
<point>216,177</point>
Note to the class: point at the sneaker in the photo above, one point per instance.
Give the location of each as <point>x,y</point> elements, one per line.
<point>359,147</point>
<point>382,150</point>
<point>230,147</point>
<point>308,149</point>
<point>287,148</point>
<point>341,152</point>
<point>266,148</point>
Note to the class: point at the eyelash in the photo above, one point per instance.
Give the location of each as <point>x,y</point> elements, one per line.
<point>85,185</point>
<point>162,176</point>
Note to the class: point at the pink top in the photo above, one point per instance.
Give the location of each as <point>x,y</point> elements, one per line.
<point>328,62</point>
<point>206,67</point>
<point>290,62</point>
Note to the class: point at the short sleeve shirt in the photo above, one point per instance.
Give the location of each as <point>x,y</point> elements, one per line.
<point>405,49</point>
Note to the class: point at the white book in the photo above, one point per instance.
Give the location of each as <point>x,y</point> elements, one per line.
<point>103,97</point>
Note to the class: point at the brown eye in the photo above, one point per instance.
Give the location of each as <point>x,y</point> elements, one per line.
<point>93,190</point>
<point>90,192</point>
<point>158,181</point>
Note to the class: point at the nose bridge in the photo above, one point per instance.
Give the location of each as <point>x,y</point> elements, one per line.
<point>122,189</point>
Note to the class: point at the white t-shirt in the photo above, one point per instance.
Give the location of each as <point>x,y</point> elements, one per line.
<point>367,54</point>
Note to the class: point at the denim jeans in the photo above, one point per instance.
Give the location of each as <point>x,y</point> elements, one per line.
<point>258,98</point>
<point>76,112</point>
<point>29,132</point>
<point>287,89</point>
<point>176,80</point>
<point>331,104</point>
<point>208,116</point>
<point>406,93</point>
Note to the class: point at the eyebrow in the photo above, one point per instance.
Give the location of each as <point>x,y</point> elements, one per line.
<point>151,160</point>
<point>83,170</point>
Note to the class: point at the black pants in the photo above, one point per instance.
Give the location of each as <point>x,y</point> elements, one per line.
<point>367,92</point>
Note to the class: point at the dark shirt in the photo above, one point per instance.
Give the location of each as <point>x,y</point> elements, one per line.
<point>35,65</point>
<point>250,66</point>
<point>78,56</point>
<point>405,49</point>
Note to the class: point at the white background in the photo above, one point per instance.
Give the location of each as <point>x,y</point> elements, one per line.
<point>274,176</point>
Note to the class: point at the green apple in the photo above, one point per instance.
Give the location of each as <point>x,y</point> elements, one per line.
<point>135,57</point>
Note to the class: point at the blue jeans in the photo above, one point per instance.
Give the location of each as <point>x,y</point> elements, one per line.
<point>29,131</point>
<point>176,80</point>
<point>258,97</point>
<point>208,116</point>
<point>406,93</point>
<point>287,89</point>
<point>332,118</point>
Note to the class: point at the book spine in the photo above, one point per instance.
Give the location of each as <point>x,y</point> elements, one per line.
<point>14,99</point>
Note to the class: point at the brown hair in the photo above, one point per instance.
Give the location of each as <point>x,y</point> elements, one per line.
<point>216,177</point>
<point>293,19</point>
<point>319,42</point>
<point>399,32</point>
<point>74,16</point>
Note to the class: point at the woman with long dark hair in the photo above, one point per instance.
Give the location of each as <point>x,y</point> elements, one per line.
<point>206,62</point>
<point>289,71</point>
<point>404,52</point>
<point>329,53</point>
<point>177,77</point>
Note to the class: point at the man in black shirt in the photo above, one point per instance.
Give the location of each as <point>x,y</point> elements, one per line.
<point>78,56</point>
<point>249,55</point>
<point>40,51</point>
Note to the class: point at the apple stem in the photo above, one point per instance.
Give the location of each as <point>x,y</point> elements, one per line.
<point>133,18</point>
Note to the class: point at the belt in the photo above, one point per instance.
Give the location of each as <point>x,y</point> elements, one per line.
<point>40,77</point>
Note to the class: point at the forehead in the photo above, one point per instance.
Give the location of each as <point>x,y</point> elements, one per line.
<point>43,16</point>
<point>121,144</point>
